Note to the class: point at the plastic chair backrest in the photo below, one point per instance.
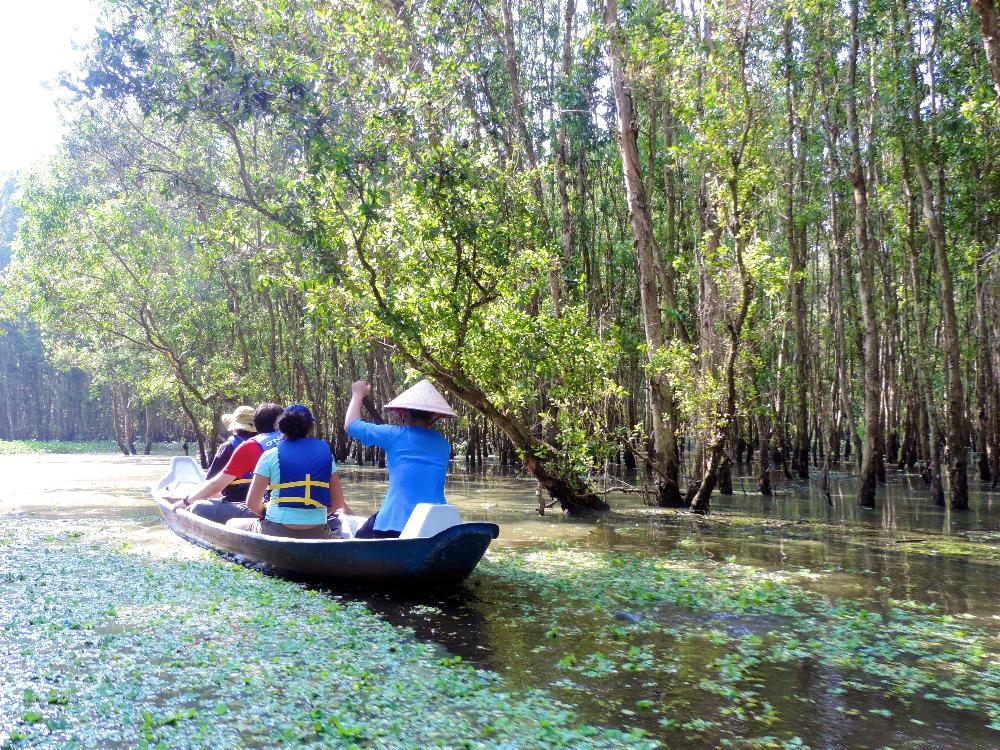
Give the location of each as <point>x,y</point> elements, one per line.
<point>428,519</point>
<point>184,471</point>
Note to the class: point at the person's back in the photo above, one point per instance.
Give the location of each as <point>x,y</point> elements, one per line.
<point>417,459</point>
<point>417,455</point>
<point>232,481</point>
<point>300,486</point>
<point>301,474</point>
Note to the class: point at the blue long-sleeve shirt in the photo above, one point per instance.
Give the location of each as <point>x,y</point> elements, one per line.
<point>417,459</point>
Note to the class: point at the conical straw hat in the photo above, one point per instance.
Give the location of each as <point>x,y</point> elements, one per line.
<point>424,397</point>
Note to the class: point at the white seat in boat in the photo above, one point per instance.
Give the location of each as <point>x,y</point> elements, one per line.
<point>184,472</point>
<point>428,519</point>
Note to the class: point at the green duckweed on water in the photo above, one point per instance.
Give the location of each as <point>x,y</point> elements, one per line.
<point>106,649</point>
<point>105,645</point>
<point>731,639</point>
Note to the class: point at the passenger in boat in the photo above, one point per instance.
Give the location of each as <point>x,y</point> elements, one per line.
<point>240,424</point>
<point>302,476</point>
<point>416,454</point>
<point>233,480</point>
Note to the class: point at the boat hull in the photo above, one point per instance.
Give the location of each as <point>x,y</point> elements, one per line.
<point>441,560</point>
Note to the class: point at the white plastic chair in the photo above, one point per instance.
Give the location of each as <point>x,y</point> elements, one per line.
<point>184,473</point>
<point>429,519</point>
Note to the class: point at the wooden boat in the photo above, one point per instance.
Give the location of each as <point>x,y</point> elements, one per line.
<point>442,559</point>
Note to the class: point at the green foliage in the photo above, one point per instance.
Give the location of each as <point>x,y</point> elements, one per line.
<point>265,200</point>
<point>10,447</point>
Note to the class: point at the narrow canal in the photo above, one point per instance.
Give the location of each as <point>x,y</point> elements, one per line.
<point>777,622</point>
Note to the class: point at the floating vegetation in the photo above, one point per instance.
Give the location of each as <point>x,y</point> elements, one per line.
<point>983,546</point>
<point>553,645</point>
<point>717,648</point>
<point>102,648</point>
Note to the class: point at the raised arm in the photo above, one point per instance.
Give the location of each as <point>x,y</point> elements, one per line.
<point>359,390</point>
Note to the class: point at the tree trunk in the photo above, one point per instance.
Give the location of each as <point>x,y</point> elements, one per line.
<point>956,438</point>
<point>725,479</point>
<point>195,427</point>
<point>540,459</point>
<point>150,428</point>
<point>128,423</point>
<point>527,142</point>
<point>717,443</point>
<point>796,282</point>
<point>562,155</point>
<point>764,451</point>
<point>987,403</point>
<point>837,255</point>
<point>118,417</point>
<point>987,13</point>
<point>870,446</point>
<point>662,398</point>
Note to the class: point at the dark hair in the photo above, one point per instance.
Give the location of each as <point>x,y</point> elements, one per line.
<point>245,433</point>
<point>294,424</point>
<point>266,416</point>
<point>420,415</point>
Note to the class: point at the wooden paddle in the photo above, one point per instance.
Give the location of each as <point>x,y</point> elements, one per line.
<point>373,412</point>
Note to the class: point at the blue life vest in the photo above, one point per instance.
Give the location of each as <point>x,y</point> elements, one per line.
<point>236,491</point>
<point>305,467</point>
<point>268,440</point>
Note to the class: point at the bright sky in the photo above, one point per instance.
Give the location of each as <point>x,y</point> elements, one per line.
<point>36,43</point>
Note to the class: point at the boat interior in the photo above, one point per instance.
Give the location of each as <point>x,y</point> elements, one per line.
<point>426,520</point>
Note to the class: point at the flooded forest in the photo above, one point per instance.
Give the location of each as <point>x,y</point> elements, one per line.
<point>714,288</point>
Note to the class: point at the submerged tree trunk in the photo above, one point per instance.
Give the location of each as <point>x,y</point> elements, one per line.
<point>540,459</point>
<point>932,208</point>
<point>195,427</point>
<point>986,403</point>
<point>717,442</point>
<point>932,449</point>
<point>647,254</point>
<point>118,407</point>
<point>797,281</point>
<point>129,423</point>
<point>150,428</point>
<point>866,274</point>
<point>764,450</point>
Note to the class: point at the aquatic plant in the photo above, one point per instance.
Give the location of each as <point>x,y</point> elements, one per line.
<point>721,633</point>
<point>102,647</point>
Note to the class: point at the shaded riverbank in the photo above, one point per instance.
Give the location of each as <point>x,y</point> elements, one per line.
<point>827,627</point>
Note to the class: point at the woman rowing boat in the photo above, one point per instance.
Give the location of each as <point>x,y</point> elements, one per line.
<point>416,454</point>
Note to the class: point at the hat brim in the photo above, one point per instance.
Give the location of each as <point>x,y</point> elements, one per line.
<point>435,412</point>
<point>231,423</point>
<point>422,396</point>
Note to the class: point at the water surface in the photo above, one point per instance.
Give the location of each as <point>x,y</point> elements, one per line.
<point>905,550</point>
